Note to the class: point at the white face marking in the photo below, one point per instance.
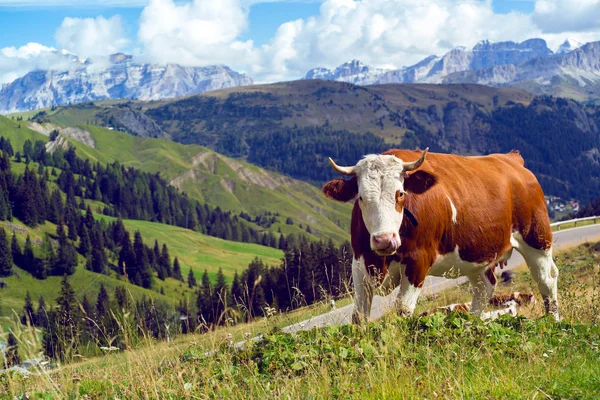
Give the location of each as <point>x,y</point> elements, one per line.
<point>454,212</point>
<point>379,177</point>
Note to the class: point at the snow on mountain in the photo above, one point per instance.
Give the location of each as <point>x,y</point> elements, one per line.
<point>580,66</point>
<point>122,78</point>
<point>568,45</point>
<point>352,71</point>
<point>433,69</point>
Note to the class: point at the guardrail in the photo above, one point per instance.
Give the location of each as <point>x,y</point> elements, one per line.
<point>574,221</point>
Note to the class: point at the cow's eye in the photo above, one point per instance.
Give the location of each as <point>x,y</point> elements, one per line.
<point>360,198</point>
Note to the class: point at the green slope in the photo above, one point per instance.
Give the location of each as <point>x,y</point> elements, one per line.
<point>194,250</point>
<point>221,181</point>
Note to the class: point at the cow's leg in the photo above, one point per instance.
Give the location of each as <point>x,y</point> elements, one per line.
<point>363,291</point>
<point>410,289</point>
<point>543,270</point>
<point>483,284</point>
<point>392,279</point>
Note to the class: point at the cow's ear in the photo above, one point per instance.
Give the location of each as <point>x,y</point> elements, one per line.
<point>341,189</point>
<point>419,181</point>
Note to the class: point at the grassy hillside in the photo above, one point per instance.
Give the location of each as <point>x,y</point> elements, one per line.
<point>453,356</point>
<point>194,250</point>
<point>292,127</point>
<point>209,177</point>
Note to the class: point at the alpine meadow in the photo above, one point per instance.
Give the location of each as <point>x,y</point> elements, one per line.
<point>304,200</point>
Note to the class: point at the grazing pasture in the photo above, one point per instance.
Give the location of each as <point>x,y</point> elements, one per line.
<point>454,356</point>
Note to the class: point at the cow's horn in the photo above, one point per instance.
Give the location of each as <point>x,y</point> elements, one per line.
<point>409,166</point>
<point>341,170</point>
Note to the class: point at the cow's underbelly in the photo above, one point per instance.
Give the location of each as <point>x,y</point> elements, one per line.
<point>451,265</point>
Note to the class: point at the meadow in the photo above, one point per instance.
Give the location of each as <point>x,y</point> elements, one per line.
<point>454,356</point>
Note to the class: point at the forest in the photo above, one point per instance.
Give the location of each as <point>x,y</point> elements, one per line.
<point>309,272</point>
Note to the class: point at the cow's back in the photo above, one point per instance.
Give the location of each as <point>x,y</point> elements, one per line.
<point>476,205</point>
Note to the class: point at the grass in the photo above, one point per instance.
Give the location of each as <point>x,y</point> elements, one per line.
<point>205,175</point>
<point>453,356</point>
<point>194,250</point>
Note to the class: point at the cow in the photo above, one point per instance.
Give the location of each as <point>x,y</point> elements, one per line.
<point>450,216</point>
<point>509,300</point>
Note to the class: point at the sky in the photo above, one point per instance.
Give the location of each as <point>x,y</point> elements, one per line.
<point>274,40</point>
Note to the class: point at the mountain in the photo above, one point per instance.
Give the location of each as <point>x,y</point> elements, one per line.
<point>571,74</point>
<point>432,69</point>
<point>530,65</point>
<point>293,127</point>
<point>121,78</point>
<point>568,45</point>
<point>352,71</point>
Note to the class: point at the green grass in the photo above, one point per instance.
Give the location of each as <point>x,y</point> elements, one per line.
<point>194,250</point>
<point>200,251</point>
<point>454,356</point>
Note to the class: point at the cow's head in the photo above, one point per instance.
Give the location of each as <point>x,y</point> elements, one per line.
<point>380,182</point>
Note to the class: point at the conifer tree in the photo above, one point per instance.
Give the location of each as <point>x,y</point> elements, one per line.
<point>165,261</point>
<point>41,317</point>
<point>143,266</point>
<point>12,351</point>
<point>66,259</point>
<point>236,289</point>
<point>6,258</point>
<point>121,296</point>
<point>191,279</point>
<point>220,296</point>
<point>28,259</point>
<point>68,315</point>
<point>204,300</point>
<point>28,317</point>
<point>127,261</point>
<point>84,242</point>
<point>177,270</point>
<point>15,250</point>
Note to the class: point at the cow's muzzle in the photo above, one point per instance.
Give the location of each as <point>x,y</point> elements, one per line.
<point>385,244</point>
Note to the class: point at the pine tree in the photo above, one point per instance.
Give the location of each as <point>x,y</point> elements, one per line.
<point>28,317</point>
<point>177,270</point>
<point>220,299</point>
<point>51,340</point>
<point>236,289</point>
<point>48,260</point>
<point>121,296</point>
<point>127,261</point>
<point>143,265</point>
<point>15,250</point>
<point>204,300</point>
<point>84,242</point>
<point>165,261</point>
<point>6,259</point>
<point>191,279</point>
<point>68,317</point>
<point>12,351</point>
<point>66,259</point>
<point>41,316</point>
<point>28,259</point>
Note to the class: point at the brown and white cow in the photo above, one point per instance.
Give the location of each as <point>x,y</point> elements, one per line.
<point>464,215</point>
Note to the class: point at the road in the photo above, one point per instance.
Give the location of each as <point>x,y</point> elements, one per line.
<point>381,304</point>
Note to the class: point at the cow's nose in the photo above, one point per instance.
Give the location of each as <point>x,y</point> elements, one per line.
<point>385,242</point>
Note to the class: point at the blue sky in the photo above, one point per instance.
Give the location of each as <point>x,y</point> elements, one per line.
<point>37,23</point>
<point>274,40</point>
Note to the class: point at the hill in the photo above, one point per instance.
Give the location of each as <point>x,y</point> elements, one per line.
<point>275,202</point>
<point>288,126</point>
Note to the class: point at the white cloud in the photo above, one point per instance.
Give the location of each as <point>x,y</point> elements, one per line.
<point>379,32</point>
<point>197,33</point>
<point>92,37</point>
<point>559,16</point>
<point>16,62</point>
